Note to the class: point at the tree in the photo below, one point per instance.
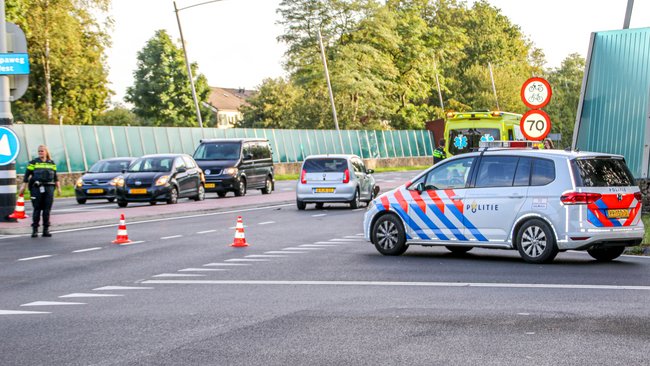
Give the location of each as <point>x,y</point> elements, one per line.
<point>66,45</point>
<point>161,93</point>
<point>566,82</point>
<point>118,116</point>
<point>273,106</point>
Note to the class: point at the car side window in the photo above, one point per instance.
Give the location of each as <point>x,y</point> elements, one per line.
<point>450,175</point>
<point>358,166</point>
<point>522,176</point>
<point>189,163</point>
<point>247,149</point>
<point>179,163</point>
<point>543,172</point>
<point>265,150</point>
<point>496,171</point>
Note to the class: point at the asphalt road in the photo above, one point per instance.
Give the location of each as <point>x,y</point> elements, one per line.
<point>307,291</point>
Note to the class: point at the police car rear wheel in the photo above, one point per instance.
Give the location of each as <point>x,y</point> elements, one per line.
<point>535,242</point>
<point>388,235</point>
<point>606,254</point>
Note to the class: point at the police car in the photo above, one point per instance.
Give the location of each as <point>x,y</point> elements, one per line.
<point>539,202</point>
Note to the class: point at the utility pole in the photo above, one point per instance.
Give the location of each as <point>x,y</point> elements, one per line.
<point>494,88</point>
<point>8,187</point>
<point>329,88</point>
<point>628,14</point>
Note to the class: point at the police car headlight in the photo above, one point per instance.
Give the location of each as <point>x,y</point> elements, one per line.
<point>162,180</point>
<point>80,182</point>
<point>230,171</point>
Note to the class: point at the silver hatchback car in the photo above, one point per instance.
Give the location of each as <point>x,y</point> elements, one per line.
<point>335,178</point>
<point>539,202</point>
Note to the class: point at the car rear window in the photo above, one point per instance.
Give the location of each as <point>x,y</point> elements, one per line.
<point>325,165</point>
<point>602,172</point>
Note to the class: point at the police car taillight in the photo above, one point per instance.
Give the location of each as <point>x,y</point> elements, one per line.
<point>346,176</point>
<point>579,198</point>
<point>303,178</point>
<point>638,196</point>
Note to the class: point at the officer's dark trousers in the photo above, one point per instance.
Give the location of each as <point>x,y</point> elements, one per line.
<point>42,203</point>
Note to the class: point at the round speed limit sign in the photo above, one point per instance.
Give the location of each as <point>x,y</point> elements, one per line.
<point>536,93</point>
<point>535,125</point>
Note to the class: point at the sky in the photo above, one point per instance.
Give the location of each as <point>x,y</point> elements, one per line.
<point>235,42</point>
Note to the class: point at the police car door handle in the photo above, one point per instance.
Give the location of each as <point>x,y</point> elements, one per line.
<point>516,195</point>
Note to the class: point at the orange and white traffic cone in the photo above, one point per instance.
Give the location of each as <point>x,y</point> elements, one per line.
<point>19,212</point>
<point>122,236</point>
<point>240,240</point>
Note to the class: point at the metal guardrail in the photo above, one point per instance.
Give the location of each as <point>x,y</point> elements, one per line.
<point>76,148</point>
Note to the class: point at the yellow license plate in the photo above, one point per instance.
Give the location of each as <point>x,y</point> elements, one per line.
<point>138,191</point>
<point>95,191</point>
<point>324,190</point>
<point>618,214</point>
<point>210,185</point>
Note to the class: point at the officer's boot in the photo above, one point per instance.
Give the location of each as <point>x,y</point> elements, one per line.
<point>46,231</point>
<point>34,232</point>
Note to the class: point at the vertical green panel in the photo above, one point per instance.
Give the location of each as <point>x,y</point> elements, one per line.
<point>119,136</point>
<point>354,138</point>
<point>134,139</point>
<point>147,136</point>
<point>404,142</point>
<point>103,134</point>
<point>34,138</point>
<point>274,144</point>
<point>380,144</point>
<point>72,143</point>
<point>346,142</point>
<point>427,141</point>
<point>175,140</point>
<point>162,143</point>
<point>189,143</point>
<point>285,145</point>
<point>55,145</point>
<point>303,145</point>
<point>413,142</point>
<point>24,153</point>
<point>390,147</point>
<point>196,136</point>
<point>89,144</point>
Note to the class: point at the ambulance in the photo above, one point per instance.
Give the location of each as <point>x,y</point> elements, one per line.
<point>464,131</point>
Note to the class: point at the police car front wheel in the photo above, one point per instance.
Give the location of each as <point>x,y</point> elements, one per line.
<point>535,242</point>
<point>388,236</point>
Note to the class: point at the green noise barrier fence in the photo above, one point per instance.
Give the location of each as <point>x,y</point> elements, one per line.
<point>76,148</point>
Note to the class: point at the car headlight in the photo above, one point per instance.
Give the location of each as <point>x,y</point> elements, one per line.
<point>162,180</point>
<point>119,181</point>
<point>114,181</point>
<point>80,182</point>
<point>230,171</point>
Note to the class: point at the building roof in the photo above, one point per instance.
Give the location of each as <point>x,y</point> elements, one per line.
<point>227,99</point>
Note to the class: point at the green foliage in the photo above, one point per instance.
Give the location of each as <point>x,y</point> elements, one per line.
<point>119,116</point>
<point>272,106</point>
<point>161,93</point>
<point>566,82</point>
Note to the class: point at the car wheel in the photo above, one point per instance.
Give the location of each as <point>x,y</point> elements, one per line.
<point>173,196</point>
<point>152,203</point>
<point>388,236</point>
<point>458,250</point>
<point>241,188</point>
<point>111,200</point>
<point>535,242</point>
<point>221,194</point>
<point>200,196</point>
<point>268,186</point>
<point>122,203</point>
<point>301,205</point>
<point>319,205</point>
<point>356,202</point>
<point>81,201</point>
<point>606,254</point>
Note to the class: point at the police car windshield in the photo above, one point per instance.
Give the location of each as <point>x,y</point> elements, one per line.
<point>465,140</point>
<point>218,151</point>
<point>151,165</point>
<point>114,166</point>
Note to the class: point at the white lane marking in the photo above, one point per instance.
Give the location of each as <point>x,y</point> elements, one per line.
<point>348,240</point>
<point>358,209</point>
<point>52,303</point>
<point>286,189</point>
<point>409,284</point>
<point>201,269</point>
<point>131,243</point>
<point>18,312</point>
<point>523,313</point>
<point>352,236</point>
<point>225,264</point>
<point>530,333</point>
<point>319,245</point>
<point>116,288</point>
<point>265,256</point>
<point>302,248</point>
<point>179,275</point>
<point>266,223</point>
<point>171,237</point>
<point>86,250</point>
<point>246,260</point>
<point>31,258</point>
<point>75,295</point>
<point>318,215</point>
<point>206,231</point>
<point>330,243</point>
<point>164,219</point>
<point>283,252</point>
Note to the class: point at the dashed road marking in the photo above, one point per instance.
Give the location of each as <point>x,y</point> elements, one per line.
<point>179,275</point>
<point>206,231</point>
<point>201,269</point>
<point>283,252</point>
<point>348,240</point>
<point>246,260</point>
<point>116,288</point>
<point>171,237</point>
<point>266,223</point>
<point>302,248</point>
<point>52,303</point>
<point>265,256</point>
<point>75,295</point>
<point>132,243</point>
<point>319,245</point>
<point>32,258</point>
<point>319,215</point>
<point>86,250</point>
<point>225,264</point>
<point>17,312</point>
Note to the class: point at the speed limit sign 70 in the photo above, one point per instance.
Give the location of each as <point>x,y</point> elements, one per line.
<point>535,125</point>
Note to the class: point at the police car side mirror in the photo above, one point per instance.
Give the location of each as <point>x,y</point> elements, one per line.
<point>420,187</point>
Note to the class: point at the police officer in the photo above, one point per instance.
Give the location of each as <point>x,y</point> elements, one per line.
<point>439,153</point>
<point>40,177</point>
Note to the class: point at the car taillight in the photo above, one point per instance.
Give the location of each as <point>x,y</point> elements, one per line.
<point>638,196</point>
<point>303,177</point>
<point>346,176</point>
<point>580,198</point>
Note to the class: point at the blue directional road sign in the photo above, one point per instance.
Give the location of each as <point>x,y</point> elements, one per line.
<point>9,146</point>
<point>14,64</point>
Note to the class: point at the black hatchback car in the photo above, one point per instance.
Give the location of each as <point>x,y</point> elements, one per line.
<point>99,181</point>
<point>161,177</point>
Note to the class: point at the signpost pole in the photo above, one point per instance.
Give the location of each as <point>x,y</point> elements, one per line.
<point>7,172</point>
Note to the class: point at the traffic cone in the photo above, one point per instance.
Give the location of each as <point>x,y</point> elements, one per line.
<point>122,236</point>
<point>240,240</point>
<point>19,212</point>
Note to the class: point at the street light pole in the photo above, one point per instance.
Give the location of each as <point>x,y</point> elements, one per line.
<point>187,61</point>
<point>329,88</point>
